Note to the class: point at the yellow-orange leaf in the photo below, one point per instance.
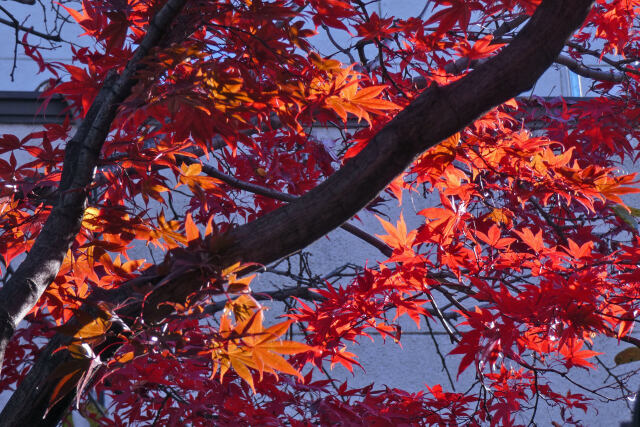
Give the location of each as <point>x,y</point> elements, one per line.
<point>193,169</point>
<point>242,371</point>
<point>500,216</point>
<point>276,330</point>
<point>126,357</point>
<point>243,307</point>
<point>86,326</point>
<point>90,218</point>
<point>95,328</point>
<point>397,237</point>
<point>287,347</point>
<point>253,347</point>
<point>272,362</point>
<point>191,229</point>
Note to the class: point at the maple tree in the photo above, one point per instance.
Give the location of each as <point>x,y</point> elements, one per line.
<point>530,255</point>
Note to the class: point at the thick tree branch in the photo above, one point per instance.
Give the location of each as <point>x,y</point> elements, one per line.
<point>617,64</point>
<point>577,67</point>
<point>274,194</point>
<point>590,73</point>
<point>21,292</point>
<point>435,115</point>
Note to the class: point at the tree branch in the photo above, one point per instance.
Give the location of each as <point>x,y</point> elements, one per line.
<point>29,2</point>
<point>590,73</point>
<point>274,194</point>
<point>37,271</point>
<point>30,30</point>
<point>435,115</point>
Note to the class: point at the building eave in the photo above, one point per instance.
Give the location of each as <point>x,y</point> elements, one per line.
<point>27,107</point>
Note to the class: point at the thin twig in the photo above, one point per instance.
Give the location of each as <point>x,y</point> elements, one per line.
<point>443,321</point>
<point>30,30</point>
<point>442,359</point>
<point>275,194</point>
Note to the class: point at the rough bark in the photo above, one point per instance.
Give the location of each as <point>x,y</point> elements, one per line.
<point>275,194</point>
<point>435,115</point>
<point>37,271</point>
<point>591,73</point>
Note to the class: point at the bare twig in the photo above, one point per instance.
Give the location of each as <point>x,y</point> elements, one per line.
<point>439,352</point>
<point>15,47</point>
<point>590,73</point>
<point>432,117</point>
<point>274,194</point>
<point>445,324</point>
<point>29,2</point>
<point>31,30</point>
<point>37,271</point>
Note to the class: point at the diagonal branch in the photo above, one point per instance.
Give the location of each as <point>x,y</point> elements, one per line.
<point>37,271</point>
<point>590,73</point>
<point>435,115</point>
<point>16,25</point>
<point>274,194</point>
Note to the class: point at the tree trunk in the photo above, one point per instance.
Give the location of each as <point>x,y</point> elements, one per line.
<point>436,114</point>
